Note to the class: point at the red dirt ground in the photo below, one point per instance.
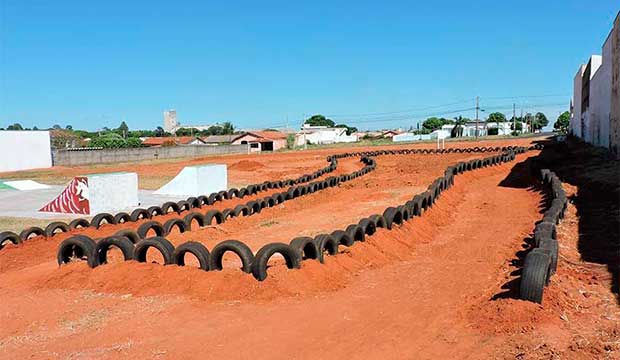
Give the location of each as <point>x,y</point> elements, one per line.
<point>431,288</point>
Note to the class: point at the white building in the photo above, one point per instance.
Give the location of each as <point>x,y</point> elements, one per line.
<point>595,113</point>
<point>171,124</point>
<point>322,135</point>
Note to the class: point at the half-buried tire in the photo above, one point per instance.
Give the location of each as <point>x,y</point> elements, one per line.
<point>343,238</point>
<point>259,267</point>
<point>325,243</point>
<point>33,230</point>
<point>144,229</point>
<point>164,246</point>
<point>120,242</point>
<point>51,228</point>
<point>239,248</point>
<point>9,236</point>
<point>534,275</point>
<point>77,247</point>
<point>195,248</point>
<point>305,247</point>
<point>99,218</point>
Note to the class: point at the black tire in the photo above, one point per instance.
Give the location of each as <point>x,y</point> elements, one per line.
<point>184,205</point>
<point>164,246</point>
<point>534,276</point>
<point>140,214</point>
<point>239,248</point>
<point>367,226</point>
<point>170,205</point>
<point>241,210</point>
<point>227,214</point>
<point>78,246</point>
<point>170,224</point>
<point>552,246</point>
<point>79,223</point>
<point>121,242</point>
<point>543,230</point>
<point>259,266</point>
<point>121,218</point>
<point>150,225</point>
<point>378,220</point>
<point>213,214</point>
<point>50,229</point>
<point>194,202</point>
<point>405,212</point>
<point>130,235</point>
<point>26,233</point>
<point>97,219</point>
<point>325,242</point>
<point>356,232</point>
<point>255,206</point>
<point>392,216</point>
<point>305,247</point>
<point>154,211</point>
<point>195,248</point>
<point>343,238</point>
<point>9,236</point>
<point>189,219</point>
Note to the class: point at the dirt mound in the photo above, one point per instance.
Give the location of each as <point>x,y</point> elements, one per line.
<point>246,165</point>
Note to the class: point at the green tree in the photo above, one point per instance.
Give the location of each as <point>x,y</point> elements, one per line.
<point>109,140</point>
<point>16,126</point>
<point>123,129</point>
<point>539,121</point>
<point>228,128</point>
<point>562,123</point>
<point>159,132</point>
<point>319,120</point>
<point>434,123</point>
<point>350,129</point>
<point>134,142</point>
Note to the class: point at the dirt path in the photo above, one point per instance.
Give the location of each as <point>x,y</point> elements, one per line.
<point>402,294</point>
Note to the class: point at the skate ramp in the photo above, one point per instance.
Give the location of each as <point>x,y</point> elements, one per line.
<point>23,185</point>
<point>95,193</point>
<point>197,180</point>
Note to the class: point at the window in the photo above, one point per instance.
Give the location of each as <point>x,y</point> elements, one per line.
<point>253,145</point>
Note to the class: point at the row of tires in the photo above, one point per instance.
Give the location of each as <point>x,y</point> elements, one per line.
<point>56,227</point>
<point>297,250</point>
<point>97,220</point>
<point>542,261</point>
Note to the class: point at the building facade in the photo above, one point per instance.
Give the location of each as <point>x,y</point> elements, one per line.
<point>595,112</point>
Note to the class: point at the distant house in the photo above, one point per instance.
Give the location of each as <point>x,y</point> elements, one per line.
<point>180,140</point>
<point>323,135</point>
<point>390,133</point>
<point>262,140</point>
<point>218,139</point>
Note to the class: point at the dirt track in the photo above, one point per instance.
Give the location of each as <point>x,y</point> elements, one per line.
<point>430,289</point>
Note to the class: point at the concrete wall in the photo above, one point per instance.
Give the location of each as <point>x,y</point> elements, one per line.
<point>614,118</point>
<point>575,120</point>
<point>600,99</point>
<point>23,150</point>
<point>72,158</point>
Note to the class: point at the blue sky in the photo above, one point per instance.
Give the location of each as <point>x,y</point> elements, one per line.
<point>94,63</point>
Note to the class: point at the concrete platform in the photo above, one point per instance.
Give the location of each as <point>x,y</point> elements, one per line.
<point>27,203</point>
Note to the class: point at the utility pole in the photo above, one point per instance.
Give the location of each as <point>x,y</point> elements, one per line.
<point>514,117</point>
<point>477,108</point>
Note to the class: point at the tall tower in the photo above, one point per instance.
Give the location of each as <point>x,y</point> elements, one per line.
<point>170,121</point>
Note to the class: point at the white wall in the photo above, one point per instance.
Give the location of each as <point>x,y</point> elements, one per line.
<point>600,99</point>
<point>23,150</point>
<point>575,121</point>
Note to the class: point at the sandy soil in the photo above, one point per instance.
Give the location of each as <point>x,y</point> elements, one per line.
<point>440,286</point>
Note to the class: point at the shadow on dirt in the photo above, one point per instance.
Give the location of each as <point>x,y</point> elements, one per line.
<point>597,177</point>
<point>521,176</point>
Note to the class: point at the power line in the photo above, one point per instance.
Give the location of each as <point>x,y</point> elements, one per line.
<point>401,111</point>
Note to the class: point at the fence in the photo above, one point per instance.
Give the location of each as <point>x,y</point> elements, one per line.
<point>85,157</point>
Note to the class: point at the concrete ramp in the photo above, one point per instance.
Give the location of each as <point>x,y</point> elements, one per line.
<point>92,194</point>
<point>25,185</point>
<point>197,180</point>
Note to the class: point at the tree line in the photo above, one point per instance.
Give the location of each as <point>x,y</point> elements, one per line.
<point>116,138</point>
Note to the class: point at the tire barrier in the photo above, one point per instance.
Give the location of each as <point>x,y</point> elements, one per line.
<point>542,261</point>
<point>306,248</point>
